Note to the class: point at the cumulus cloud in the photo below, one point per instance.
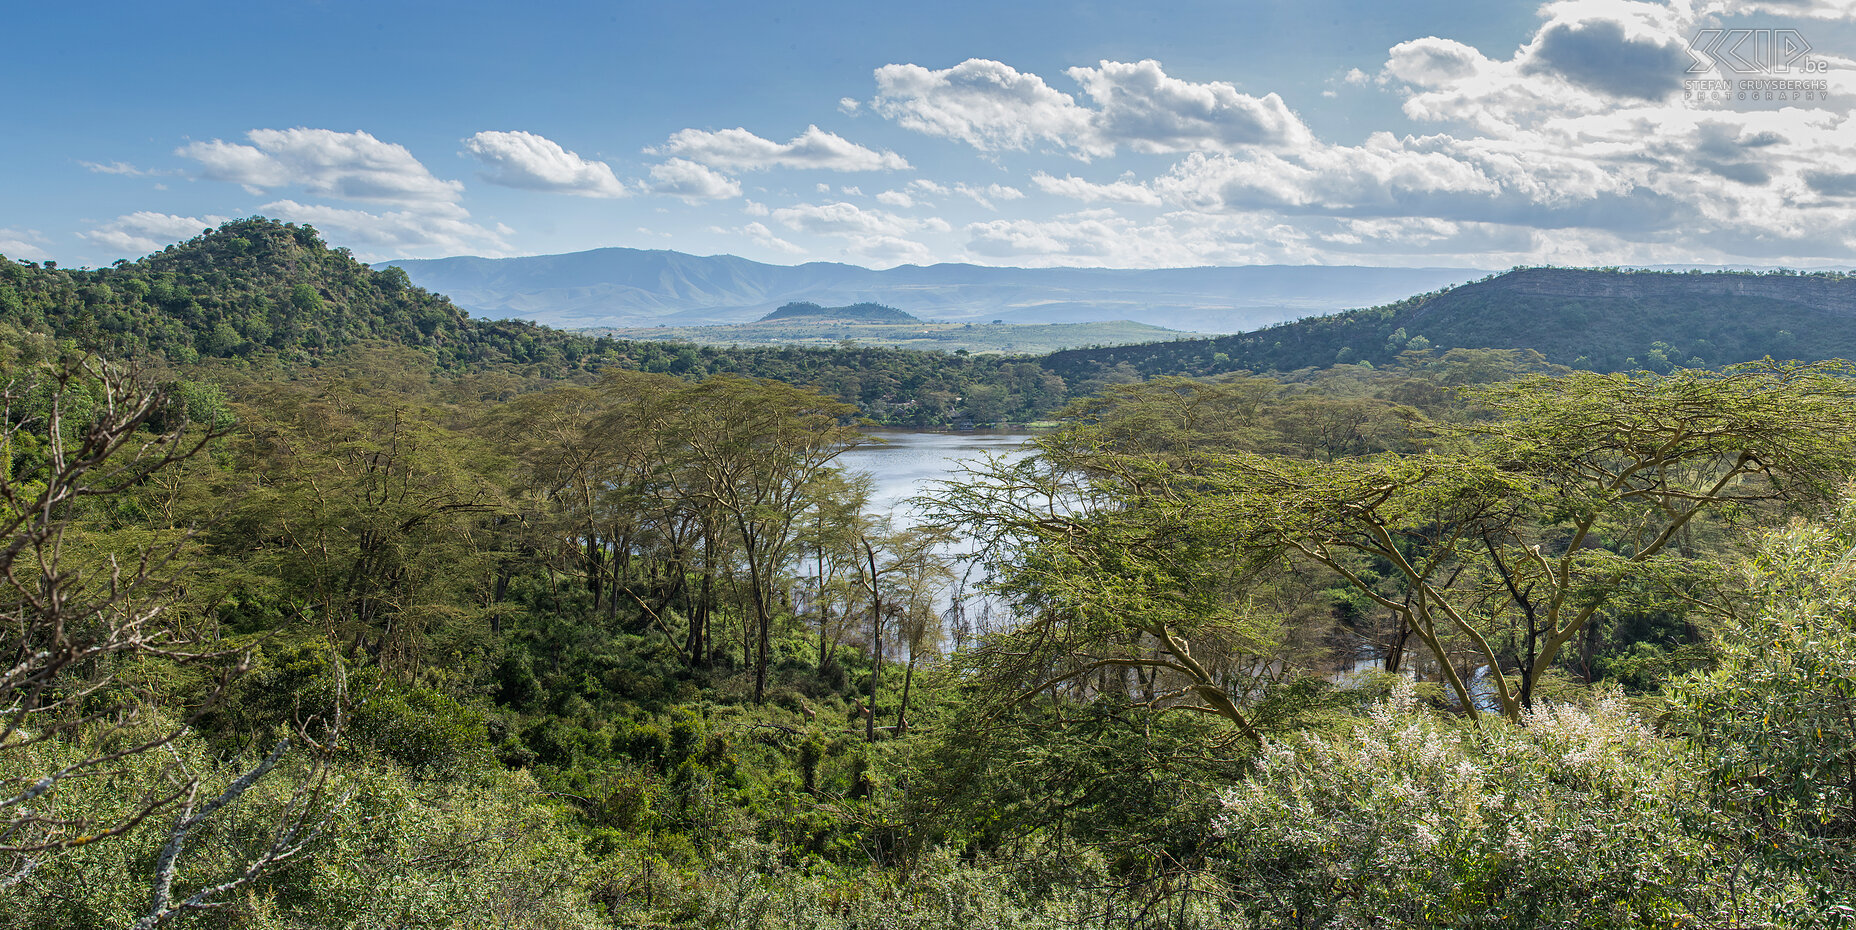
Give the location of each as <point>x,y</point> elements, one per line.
<point>1602,56</point>
<point>764,237</point>
<point>1122,191</point>
<point>740,150</point>
<point>27,244</point>
<point>923,187</point>
<point>992,106</point>
<point>1430,62</point>
<point>986,104</point>
<point>1803,9</point>
<point>848,219</point>
<point>883,251</point>
<point>349,165</point>
<point>433,232</point>
<point>984,196</point>
<point>136,234</point>
<point>1582,130</point>
<point>1139,105</point>
<point>1102,236</point>
<point>692,182</point>
<point>533,162</point>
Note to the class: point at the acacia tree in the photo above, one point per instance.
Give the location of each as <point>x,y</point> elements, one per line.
<point>899,574</point>
<point>753,451</point>
<point>1563,498</point>
<point>73,433</point>
<point>1576,489</point>
<point>829,536</point>
<point>1110,595</point>
<point>368,517</point>
<point>79,606</point>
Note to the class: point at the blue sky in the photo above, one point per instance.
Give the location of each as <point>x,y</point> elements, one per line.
<point>1433,133</point>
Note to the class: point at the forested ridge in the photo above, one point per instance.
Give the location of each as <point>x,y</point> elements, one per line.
<point>361,613</point>
<point>271,295</point>
<point>1594,319</point>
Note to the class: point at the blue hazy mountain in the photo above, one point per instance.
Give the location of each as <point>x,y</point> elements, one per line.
<point>633,287</point>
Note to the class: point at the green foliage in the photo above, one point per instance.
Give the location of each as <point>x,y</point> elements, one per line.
<point>611,643</point>
<point>390,851</point>
<point>1774,723</point>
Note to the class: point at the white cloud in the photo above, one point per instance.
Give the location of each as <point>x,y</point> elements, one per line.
<point>754,208</point>
<point>432,232</point>
<point>992,106</point>
<point>740,150</point>
<point>984,196</point>
<point>763,236</point>
<point>883,251</point>
<point>848,105</point>
<point>692,182</point>
<point>1578,144</point>
<point>1123,191</point>
<point>136,234</point>
<point>920,187</point>
<point>843,219</point>
<point>122,168</point>
<point>986,104</point>
<point>27,244</point>
<point>526,160</point>
<point>1142,107</point>
<point>1805,9</point>
<point>1101,237</point>
<point>350,165</point>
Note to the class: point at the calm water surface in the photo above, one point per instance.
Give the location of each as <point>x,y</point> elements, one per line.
<point>907,464</point>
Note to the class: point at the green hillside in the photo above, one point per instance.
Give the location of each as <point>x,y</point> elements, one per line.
<point>1599,320</point>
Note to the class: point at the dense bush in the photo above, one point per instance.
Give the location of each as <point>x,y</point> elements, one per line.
<point>1570,820</point>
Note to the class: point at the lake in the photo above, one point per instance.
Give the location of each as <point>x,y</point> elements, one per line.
<point>909,463</point>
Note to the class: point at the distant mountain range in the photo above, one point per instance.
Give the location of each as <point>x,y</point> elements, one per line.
<point>631,287</point>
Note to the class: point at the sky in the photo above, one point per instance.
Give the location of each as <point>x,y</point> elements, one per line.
<point>1459,133</point>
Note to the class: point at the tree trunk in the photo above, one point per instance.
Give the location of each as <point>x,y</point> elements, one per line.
<point>902,713</point>
<point>876,643</point>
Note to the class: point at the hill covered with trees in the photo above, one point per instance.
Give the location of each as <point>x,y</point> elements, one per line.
<point>261,293</point>
<point>1600,320</point>
<point>863,312</point>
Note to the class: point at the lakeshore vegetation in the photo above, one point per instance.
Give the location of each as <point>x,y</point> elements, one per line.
<point>325,605</point>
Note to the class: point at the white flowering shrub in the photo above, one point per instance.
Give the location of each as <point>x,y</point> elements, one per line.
<point>1411,820</point>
